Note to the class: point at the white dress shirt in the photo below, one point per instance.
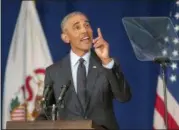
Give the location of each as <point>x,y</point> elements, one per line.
<point>75,62</point>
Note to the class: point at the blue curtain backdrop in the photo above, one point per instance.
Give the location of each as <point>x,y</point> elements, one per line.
<point>106,14</point>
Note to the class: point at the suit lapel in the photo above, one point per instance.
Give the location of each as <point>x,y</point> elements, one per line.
<point>94,68</point>
<point>66,70</point>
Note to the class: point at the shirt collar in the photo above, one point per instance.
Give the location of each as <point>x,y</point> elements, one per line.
<point>75,58</point>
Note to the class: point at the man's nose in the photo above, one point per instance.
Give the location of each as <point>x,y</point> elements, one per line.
<point>83,30</point>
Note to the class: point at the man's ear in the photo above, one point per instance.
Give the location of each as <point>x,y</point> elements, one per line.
<point>65,38</point>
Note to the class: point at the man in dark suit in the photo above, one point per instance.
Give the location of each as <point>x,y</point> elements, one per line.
<point>96,78</point>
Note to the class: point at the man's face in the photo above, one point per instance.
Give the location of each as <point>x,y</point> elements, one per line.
<point>79,32</point>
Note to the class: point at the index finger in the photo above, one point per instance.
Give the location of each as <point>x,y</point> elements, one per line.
<point>99,32</point>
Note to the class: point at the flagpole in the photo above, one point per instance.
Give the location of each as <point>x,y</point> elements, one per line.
<point>25,56</point>
<point>163,66</point>
<point>164,61</point>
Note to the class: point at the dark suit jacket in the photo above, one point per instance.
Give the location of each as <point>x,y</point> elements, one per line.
<point>103,85</point>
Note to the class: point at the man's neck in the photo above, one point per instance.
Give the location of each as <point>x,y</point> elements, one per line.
<point>80,53</point>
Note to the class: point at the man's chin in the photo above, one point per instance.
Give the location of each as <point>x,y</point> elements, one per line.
<point>86,48</point>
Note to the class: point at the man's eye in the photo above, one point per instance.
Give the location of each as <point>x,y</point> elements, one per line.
<point>77,27</point>
<point>87,25</point>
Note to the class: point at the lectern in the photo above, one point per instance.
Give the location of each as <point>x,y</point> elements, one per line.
<point>54,125</point>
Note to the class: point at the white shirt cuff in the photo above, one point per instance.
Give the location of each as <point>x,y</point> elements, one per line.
<point>109,65</point>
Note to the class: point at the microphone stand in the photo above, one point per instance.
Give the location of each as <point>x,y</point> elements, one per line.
<point>59,104</point>
<point>54,112</point>
<point>44,108</point>
<point>55,109</point>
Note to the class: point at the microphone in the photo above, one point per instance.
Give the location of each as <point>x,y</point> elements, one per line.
<point>63,91</point>
<point>47,89</point>
<point>46,95</point>
<point>46,99</point>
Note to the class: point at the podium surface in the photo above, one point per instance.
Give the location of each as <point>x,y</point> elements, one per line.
<point>59,124</point>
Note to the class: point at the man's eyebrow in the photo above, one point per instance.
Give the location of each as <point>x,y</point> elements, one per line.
<point>87,21</point>
<point>76,23</point>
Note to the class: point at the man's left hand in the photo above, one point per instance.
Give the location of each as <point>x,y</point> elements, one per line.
<point>102,48</point>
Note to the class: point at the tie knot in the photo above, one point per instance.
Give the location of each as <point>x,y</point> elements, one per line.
<point>81,60</point>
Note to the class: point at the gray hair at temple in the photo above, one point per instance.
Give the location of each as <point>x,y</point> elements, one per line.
<point>65,19</point>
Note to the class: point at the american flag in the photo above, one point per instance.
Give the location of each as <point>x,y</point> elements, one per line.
<point>172,79</point>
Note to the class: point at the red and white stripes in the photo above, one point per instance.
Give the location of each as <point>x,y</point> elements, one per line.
<point>172,109</point>
<point>18,114</point>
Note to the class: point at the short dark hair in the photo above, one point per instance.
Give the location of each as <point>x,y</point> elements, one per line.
<point>65,19</point>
